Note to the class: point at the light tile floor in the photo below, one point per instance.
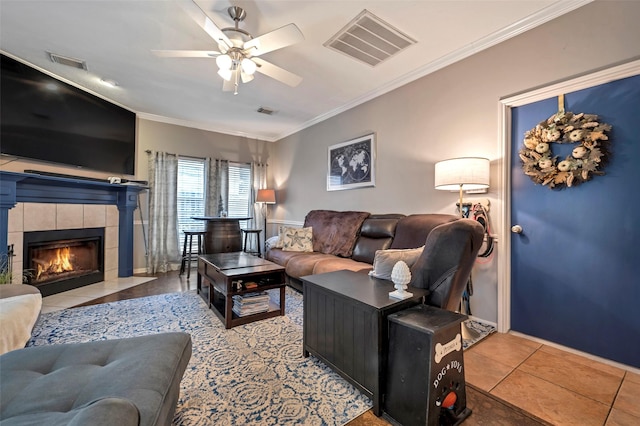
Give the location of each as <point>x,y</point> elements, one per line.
<point>84,294</point>
<point>557,386</point>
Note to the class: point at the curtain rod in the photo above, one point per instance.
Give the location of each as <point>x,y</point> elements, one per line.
<point>148,151</point>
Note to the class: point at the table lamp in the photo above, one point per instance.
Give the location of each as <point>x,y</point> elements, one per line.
<point>462,174</point>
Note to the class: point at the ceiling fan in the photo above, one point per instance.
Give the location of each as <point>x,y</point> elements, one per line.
<point>238,51</point>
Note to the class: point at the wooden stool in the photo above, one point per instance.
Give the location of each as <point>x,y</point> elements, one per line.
<point>186,249</point>
<point>255,232</point>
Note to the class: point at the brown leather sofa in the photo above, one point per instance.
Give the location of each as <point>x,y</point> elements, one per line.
<point>349,240</point>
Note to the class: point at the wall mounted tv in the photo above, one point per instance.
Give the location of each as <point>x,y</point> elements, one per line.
<point>42,118</point>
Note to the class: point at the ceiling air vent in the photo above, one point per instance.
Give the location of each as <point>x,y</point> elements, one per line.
<point>369,39</point>
<point>265,110</point>
<point>65,60</point>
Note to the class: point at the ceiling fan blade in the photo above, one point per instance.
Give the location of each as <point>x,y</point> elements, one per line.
<point>201,18</point>
<point>274,40</point>
<point>186,53</point>
<point>277,73</point>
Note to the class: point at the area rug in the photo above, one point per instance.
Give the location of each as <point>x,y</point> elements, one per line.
<point>252,375</point>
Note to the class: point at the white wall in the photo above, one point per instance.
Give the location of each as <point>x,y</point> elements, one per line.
<point>450,113</point>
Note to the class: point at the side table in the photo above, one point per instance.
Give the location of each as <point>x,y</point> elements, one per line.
<point>345,326</point>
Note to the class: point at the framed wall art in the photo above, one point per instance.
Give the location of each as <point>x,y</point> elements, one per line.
<point>351,164</point>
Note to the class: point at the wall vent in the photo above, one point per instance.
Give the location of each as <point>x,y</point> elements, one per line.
<point>65,60</point>
<point>369,39</point>
<point>265,110</point>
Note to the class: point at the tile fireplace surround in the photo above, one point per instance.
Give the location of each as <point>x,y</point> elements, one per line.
<point>27,217</point>
<point>31,202</point>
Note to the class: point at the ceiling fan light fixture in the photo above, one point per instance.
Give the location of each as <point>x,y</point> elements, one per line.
<point>224,62</point>
<point>225,73</point>
<point>248,66</point>
<point>246,77</point>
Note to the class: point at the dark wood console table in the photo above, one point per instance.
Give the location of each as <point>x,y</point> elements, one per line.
<point>345,326</point>
<point>223,234</point>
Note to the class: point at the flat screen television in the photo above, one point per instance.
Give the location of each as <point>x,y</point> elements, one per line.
<point>43,118</point>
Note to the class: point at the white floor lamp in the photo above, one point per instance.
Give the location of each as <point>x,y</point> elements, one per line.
<point>463,174</point>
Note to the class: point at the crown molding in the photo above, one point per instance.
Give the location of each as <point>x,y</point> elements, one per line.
<point>547,14</point>
<point>203,126</point>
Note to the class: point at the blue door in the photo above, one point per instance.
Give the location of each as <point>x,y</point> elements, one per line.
<point>575,276</point>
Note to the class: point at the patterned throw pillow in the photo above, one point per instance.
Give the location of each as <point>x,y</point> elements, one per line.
<point>281,230</point>
<point>385,260</point>
<point>297,239</point>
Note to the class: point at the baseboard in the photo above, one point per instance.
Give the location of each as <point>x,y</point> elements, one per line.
<point>483,321</point>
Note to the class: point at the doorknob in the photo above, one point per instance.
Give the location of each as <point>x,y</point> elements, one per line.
<point>516,229</point>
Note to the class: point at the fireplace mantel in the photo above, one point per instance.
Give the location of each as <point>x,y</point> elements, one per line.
<point>33,188</point>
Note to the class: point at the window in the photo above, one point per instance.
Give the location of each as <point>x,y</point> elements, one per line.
<point>239,190</point>
<point>192,181</point>
<point>191,197</point>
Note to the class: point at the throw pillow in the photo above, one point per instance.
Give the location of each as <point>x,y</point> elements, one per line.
<point>298,239</point>
<point>385,260</point>
<point>282,229</point>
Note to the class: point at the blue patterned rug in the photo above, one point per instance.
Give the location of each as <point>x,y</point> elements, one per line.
<point>249,375</point>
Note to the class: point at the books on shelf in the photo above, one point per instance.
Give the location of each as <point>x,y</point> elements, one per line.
<point>250,303</point>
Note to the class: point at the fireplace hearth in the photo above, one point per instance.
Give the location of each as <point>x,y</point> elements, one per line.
<point>61,260</point>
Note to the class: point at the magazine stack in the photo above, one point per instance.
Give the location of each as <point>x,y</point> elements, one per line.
<point>250,303</point>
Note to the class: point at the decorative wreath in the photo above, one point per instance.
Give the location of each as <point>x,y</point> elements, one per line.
<point>585,160</point>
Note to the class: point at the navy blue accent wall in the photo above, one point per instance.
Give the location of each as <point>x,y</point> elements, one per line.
<point>576,267</point>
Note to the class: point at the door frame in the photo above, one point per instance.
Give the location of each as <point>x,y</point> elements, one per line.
<point>584,81</point>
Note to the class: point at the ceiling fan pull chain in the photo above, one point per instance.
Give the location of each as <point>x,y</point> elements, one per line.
<point>235,92</point>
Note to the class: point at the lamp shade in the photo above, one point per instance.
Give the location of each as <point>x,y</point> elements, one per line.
<point>267,196</point>
<point>224,62</point>
<point>248,66</point>
<point>466,173</point>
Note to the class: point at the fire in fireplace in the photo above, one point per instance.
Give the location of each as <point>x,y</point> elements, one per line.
<point>61,260</point>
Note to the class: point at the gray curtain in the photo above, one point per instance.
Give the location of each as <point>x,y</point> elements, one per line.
<point>164,254</point>
<point>217,187</point>
<point>259,177</point>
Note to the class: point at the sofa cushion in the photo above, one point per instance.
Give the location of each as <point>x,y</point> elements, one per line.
<point>412,230</point>
<point>282,257</point>
<point>102,412</point>
<point>445,264</point>
<point>66,379</point>
<point>335,232</point>
<point>300,266</point>
<point>340,263</point>
<point>376,233</point>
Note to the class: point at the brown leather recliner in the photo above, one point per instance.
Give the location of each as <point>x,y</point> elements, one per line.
<point>446,262</point>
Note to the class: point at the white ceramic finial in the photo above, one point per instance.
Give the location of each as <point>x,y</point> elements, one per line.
<point>401,276</point>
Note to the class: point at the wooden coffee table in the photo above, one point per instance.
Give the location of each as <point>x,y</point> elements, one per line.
<point>345,326</point>
<point>220,272</point>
